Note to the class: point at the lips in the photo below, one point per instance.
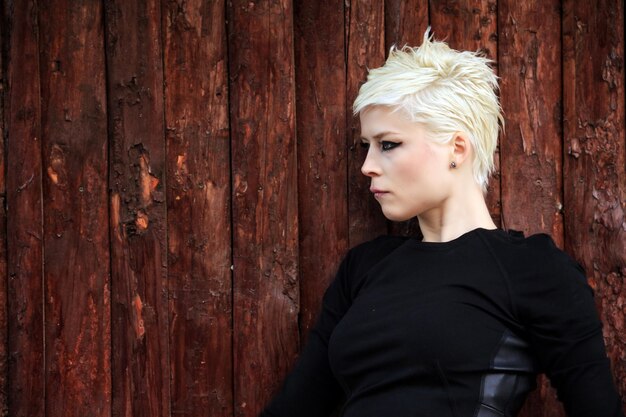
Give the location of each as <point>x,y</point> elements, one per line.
<point>377,192</point>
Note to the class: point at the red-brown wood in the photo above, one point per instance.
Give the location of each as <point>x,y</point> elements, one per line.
<point>198,196</point>
<point>530,93</point>
<point>265,238</point>
<point>180,345</point>
<point>4,325</point>
<point>22,116</point>
<point>140,363</point>
<point>365,40</point>
<point>405,22</point>
<point>75,206</point>
<point>529,44</point>
<point>594,160</point>
<point>471,25</point>
<point>322,180</point>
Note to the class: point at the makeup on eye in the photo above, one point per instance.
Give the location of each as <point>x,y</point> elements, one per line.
<point>385,145</point>
<point>388,145</point>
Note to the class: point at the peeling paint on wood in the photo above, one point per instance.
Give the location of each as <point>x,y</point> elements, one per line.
<point>594,160</point>
<point>140,362</point>
<point>223,231</point>
<point>198,194</point>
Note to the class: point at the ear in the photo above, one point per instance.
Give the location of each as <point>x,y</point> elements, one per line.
<point>461,147</point>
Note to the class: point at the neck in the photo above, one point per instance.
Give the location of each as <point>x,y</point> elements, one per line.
<point>463,211</point>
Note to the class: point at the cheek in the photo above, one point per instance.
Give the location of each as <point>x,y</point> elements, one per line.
<point>417,167</point>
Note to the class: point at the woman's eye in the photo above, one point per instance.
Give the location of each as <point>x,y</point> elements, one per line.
<point>387,146</point>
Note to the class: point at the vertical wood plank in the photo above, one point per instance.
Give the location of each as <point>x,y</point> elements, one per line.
<point>140,360</point>
<point>198,195</point>
<point>365,38</point>
<point>322,165</point>
<point>594,159</point>
<point>24,231</point>
<point>4,324</point>
<point>405,24</point>
<point>471,25</point>
<point>76,243</point>
<point>530,93</point>
<point>22,113</point>
<point>264,198</point>
<point>529,59</point>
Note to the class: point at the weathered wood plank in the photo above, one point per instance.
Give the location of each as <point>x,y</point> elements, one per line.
<point>530,94</point>
<point>365,39</point>
<point>322,164</point>
<point>4,324</point>
<point>22,115</point>
<point>76,234</point>
<point>529,41</point>
<point>140,363</point>
<point>265,238</point>
<point>198,195</point>
<point>594,159</point>
<point>405,24</point>
<point>471,25</point>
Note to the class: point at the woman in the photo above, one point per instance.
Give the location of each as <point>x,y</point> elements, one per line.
<point>460,322</point>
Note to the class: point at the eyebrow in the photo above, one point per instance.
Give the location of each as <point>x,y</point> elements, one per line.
<point>380,135</point>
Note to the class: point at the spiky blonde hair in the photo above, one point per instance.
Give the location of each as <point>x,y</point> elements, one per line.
<point>443,89</point>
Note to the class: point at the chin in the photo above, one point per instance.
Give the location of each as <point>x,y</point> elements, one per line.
<point>397,217</point>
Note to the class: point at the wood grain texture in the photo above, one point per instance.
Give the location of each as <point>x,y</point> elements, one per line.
<point>530,93</point>
<point>472,25</point>
<point>22,377</point>
<point>322,181</point>
<point>594,160</point>
<point>265,229</point>
<point>140,363</point>
<point>365,39</point>
<point>22,116</point>
<point>198,196</point>
<point>76,234</point>
<point>405,22</point>
<point>529,46</point>
<point>4,313</point>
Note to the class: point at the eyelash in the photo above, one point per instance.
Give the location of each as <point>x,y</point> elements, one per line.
<point>384,145</point>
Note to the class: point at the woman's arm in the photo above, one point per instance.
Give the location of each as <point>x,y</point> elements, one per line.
<point>558,309</point>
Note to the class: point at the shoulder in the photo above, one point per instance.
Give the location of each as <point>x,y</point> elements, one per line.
<point>540,273</point>
<point>365,255</point>
<point>532,256</point>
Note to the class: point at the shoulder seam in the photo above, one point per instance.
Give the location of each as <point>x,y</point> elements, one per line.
<point>505,275</point>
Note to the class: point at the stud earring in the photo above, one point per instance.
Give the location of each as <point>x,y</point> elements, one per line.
<point>452,164</point>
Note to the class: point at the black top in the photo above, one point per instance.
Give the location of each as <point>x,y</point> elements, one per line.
<point>452,329</point>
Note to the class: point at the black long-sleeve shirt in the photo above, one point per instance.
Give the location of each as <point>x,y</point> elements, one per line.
<point>458,329</point>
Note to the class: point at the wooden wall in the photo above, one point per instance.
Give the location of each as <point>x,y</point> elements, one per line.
<point>180,180</point>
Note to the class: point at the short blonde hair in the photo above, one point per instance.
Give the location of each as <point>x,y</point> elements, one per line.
<point>445,90</point>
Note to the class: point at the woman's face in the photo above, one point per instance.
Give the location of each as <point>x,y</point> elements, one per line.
<point>409,173</point>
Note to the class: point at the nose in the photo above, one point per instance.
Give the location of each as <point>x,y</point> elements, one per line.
<point>370,167</point>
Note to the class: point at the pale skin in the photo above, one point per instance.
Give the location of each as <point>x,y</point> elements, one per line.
<point>411,176</point>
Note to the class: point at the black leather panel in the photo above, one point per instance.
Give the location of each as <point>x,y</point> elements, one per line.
<point>503,391</point>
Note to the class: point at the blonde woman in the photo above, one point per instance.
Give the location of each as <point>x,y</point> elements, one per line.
<point>459,322</point>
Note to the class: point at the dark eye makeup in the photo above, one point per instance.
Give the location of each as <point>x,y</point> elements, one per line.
<point>384,145</point>
<point>387,146</point>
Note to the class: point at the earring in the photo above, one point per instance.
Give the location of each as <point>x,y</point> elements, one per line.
<point>452,164</point>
